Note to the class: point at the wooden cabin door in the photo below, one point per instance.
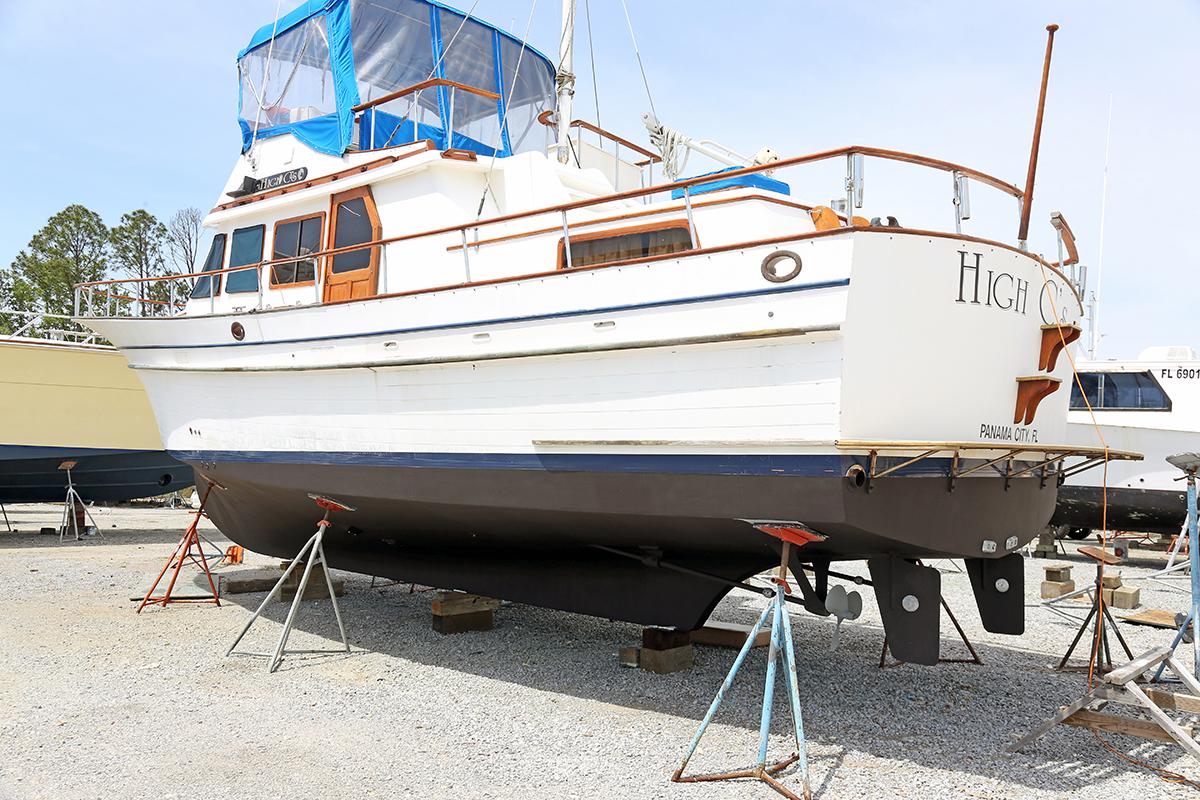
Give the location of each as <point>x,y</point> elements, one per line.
<point>352,220</point>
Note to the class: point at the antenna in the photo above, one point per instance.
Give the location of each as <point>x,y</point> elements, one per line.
<point>1094,305</point>
<point>1027,199</point>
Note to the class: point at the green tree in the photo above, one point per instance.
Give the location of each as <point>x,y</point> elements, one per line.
<point>71,248</point>
<point>138,245</point>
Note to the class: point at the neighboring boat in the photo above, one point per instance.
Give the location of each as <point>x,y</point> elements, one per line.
<point>535,380</point>
<point>1150,404</point>
<point>70,401</point>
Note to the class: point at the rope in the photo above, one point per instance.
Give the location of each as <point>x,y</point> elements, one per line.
<point>266,76</point>
<point>1164,774</point>
<point>487,176</point>
<point>638,54</point>
<point>587,12</point>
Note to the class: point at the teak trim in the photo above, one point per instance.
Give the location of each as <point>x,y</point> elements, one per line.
<point>417,87</point>
<point>361,168</point>
<point>665,225</point>
<point>316,260</point>
<point>372,270</point>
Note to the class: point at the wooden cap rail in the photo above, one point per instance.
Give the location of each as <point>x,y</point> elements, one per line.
<point>547,119</point>
<point>632,194</point>
<point>417,87</point>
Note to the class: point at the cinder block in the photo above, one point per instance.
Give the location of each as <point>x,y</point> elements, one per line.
<point>1053,589</point>
<point>1112,581</point>
<point>1058,572</point>
<point>1107,595</point>
<point>629,657</point>
<point>666,661</point>
<point>1126,597</point>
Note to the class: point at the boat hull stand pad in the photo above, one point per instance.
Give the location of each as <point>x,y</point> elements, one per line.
<point>909,597</point>
<point>312,553</point>
<point>782,652</point>
<point>999,586</point>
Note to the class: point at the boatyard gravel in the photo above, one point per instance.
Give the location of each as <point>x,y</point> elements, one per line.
<point>98,702</point>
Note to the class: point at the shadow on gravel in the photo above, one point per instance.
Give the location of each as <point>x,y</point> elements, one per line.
<point>950,717</point>
<point>29,537</point>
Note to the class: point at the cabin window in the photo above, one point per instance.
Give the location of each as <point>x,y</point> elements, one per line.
<point>296,237</point>
<point>246,248</point>
<point>353,226</point>
<point>626,244</point>
<point>1126,391</point>
<point>213,262</point>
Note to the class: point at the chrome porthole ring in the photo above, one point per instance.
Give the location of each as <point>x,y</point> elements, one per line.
<point>773,263</point>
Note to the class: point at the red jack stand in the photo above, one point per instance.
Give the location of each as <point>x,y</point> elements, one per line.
<point>184,552</point>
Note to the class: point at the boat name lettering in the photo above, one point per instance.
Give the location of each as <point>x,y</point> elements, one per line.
<point>1181,372</point>
<point>1001,290</point>
<point>280,179</point>
<point>1008,433</point>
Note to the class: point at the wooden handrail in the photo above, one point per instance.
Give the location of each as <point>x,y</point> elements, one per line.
<point>416,87</point>
<point>546,118</point>
<point>632,194</point>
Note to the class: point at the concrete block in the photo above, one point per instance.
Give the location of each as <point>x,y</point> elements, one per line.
<point>1107,595</point>
<point>629,657</point>
<point>1057,572</point>
<point>1053,589</point>
<point>1112,581</point>
<point>1126,597</point>
<point>666,661</point>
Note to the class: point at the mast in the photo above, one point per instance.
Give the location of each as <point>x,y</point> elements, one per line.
<point>1094,322</point>
<point>565,78</point>
<point>1027,200</point>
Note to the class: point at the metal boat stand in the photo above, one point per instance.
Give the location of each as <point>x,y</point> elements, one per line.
<point>73,501</point>
<point>311,553</point>
<point>8,524</point>
<point>781,649</point>
<point>884,663</point>
<point>1164,576</point>
<point>183,552</point>
<point>1189,466</point>
<point>1099,613</point>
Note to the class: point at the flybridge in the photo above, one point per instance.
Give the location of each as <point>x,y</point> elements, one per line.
<point>348,74</point>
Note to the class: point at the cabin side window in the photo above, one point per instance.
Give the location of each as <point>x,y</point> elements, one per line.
<point>1125,391</point>
<point>296,237</point>
<point>626,244</point>
<point>246,248</point>
<point>214,260</point>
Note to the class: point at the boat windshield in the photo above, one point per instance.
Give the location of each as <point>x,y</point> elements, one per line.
<point>305,73</point>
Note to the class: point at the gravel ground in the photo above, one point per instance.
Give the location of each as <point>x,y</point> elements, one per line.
<point>96,702</point>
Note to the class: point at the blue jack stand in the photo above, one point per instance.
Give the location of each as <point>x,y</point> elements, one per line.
<point>1189,463</point>
<point>783,650</point>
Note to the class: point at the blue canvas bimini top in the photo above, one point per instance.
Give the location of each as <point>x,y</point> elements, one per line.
<point>304,73</point>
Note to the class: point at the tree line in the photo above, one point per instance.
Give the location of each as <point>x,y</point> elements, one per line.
<point>75,246</point>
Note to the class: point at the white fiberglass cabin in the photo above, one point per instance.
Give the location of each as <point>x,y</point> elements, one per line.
<point>538,375</point>
<point>1150,405</point>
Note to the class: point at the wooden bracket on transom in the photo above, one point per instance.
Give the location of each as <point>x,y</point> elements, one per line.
<point>1055,339</point>
<point>1031,390</point>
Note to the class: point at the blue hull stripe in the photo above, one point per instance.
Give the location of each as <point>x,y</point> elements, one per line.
<point>681,301</point>
<point>821,465</point>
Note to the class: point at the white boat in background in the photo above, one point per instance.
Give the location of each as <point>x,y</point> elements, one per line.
<point>539,376</point>
<point>76,400</point>
<point>1151,405</point>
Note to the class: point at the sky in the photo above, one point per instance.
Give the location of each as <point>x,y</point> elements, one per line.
<point>118,105</point>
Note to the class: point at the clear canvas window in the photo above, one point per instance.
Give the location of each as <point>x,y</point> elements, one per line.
<point>297,237</point>
<point>214,261</point>
<point>290,80</point>
<point>245,248</point>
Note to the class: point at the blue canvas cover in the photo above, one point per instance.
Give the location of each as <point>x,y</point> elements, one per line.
<point>756,180</point>
<point>304,73</point>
